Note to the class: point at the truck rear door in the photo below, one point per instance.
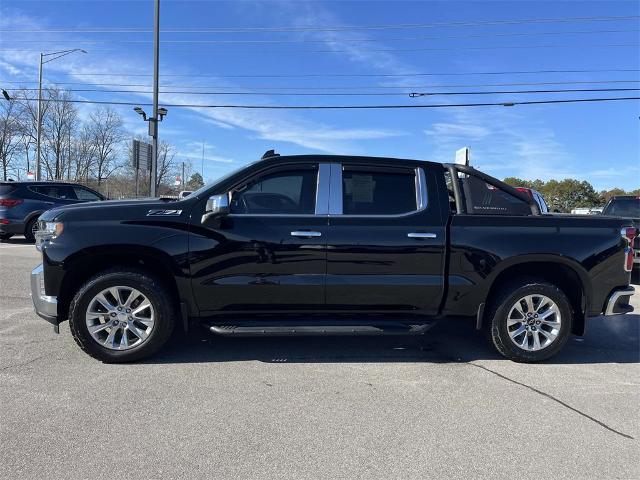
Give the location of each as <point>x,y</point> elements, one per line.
<point>386,239</point>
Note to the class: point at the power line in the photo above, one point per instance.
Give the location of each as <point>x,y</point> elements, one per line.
<point>353,107</point>
<point>347,40</point>
<point>328,28</point>
<point>350,87</point>
<point>317,75</point>
<point>411,94</point>
<point>382,50</point>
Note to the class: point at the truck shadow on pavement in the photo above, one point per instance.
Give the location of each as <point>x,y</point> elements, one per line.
<point>607,340</point>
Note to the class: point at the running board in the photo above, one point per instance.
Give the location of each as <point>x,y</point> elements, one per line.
<point>256,329</point>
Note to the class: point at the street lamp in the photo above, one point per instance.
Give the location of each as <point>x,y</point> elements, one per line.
<point>153,133</point>
<point>55,56</point>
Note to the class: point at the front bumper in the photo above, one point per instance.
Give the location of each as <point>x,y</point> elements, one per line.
<point>618,301</point>
<point>46,306</point>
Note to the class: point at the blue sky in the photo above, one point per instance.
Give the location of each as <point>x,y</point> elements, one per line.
<point>597,142</point>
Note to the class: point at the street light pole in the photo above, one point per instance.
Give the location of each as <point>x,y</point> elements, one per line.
<point>59,54</point>
<point>153,124</point>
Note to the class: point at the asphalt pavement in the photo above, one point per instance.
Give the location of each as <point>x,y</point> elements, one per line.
<point>439,406</point>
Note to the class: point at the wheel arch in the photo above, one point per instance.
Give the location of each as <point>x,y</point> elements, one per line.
<point>84,264</point>
<point>563,272</point>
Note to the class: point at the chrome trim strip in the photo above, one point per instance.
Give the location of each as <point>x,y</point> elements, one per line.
<point>335,190</point>
<point>305,234</point>
<point>322,189</point>
<point>421,235</point>
<point>627,292</point>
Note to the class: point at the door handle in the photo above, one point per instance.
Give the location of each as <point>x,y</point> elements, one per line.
<point>306,234</point>
<point>421,235</point>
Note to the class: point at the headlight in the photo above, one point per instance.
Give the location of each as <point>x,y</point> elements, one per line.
<point>46,232</point>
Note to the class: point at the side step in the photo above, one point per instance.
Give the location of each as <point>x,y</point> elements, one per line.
<point>257,328</point>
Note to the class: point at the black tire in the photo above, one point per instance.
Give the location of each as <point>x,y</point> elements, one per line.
<point>5,236</point>
<point>151,287</point>
<point>501,306</point>
<point>29,234</point>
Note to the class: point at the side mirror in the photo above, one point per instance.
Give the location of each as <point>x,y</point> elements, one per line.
<point>218,205</point>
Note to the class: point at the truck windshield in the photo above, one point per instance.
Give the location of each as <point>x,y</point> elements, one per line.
<point>624,207</point>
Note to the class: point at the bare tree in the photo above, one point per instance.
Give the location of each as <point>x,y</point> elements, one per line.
<point>10,134</point>
<point>62,119</point>
<point>166,163</point>
<point>106,134</point>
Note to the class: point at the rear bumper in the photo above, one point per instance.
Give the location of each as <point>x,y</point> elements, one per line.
<point>12,228</point>
<point>46,306</point>
<point>618,301</point>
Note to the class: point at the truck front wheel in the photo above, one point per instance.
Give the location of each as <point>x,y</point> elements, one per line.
<point>530,321</point>
<point>121,316</point>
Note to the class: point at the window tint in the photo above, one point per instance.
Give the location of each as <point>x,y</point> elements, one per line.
<point>85,195</point>
<point>482,198</point>
<point>624,207</point>
<point>6,189</point>
<point>283,192</point>
<point>378,192</point>
<point>55,191</point>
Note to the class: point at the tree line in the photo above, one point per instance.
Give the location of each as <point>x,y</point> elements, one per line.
<point>565,195</point>
<point>94,149</point>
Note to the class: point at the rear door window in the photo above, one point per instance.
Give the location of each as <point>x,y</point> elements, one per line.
<point>6,189</point>
<point>378,191</point>
<point>624,207</point>
<point>482,198</point>
<point>85,195</point>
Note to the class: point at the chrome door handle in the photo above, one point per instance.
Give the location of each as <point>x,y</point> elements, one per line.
<point>421,235</point>
<point>302,233</point>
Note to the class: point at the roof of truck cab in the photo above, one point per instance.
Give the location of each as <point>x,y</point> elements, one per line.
<point>343,159</point>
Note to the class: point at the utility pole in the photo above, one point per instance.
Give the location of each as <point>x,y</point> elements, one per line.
<point>202,163</point>
<point>183,182</point>
<point>39,124</point>
<point>153,123</point>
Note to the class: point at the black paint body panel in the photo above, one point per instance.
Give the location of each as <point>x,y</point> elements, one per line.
<point>251,264</point>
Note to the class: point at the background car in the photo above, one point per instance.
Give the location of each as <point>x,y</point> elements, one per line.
<point>21,203</point>
<point>537,197</point>
<point>626,206</point>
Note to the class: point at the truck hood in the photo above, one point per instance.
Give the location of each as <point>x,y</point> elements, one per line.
<point>125,209</point>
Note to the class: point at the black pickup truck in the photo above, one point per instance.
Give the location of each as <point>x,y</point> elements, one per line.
<point>330,245</point>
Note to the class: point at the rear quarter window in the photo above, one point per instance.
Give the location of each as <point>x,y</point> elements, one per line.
<point>6,189</point>
<point>482,198</point>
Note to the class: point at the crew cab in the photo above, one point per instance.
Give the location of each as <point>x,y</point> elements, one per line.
<point>330,245</point>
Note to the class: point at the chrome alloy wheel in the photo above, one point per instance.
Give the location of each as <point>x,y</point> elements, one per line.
<point>120,318</point>
<point>534,322</point>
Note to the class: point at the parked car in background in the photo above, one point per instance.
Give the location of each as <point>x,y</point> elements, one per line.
<point>21,203</point>
<point>626,206</point>
<point>185,193</point>
<point>330,245</point>
<point>537,197</point>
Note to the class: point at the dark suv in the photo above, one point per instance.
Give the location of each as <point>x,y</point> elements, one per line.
<point>21,203</point>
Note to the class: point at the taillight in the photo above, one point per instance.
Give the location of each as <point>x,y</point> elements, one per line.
<point>10,202</point>
<point>628,233</point>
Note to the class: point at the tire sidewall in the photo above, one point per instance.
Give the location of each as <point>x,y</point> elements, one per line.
<point>28,230</point>
<point>499,330</point>
<point>156,294</point>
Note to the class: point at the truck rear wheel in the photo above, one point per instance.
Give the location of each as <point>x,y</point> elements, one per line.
<point>121,316</point>
<point>530,321</point>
